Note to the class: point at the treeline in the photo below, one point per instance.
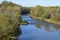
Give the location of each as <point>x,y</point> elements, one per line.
<point>10,19</point>
<point>25,10</point>
<point>49,14</point>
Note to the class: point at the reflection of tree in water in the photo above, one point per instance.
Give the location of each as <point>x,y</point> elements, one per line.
<point>59,31</point>
<point>57,27</point>
<point>37,25</point>
<point>47,28</point>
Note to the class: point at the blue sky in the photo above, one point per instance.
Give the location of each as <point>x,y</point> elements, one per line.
<point>36,2</point>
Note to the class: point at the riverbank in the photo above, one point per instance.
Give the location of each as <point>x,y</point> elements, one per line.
<point>47,20</point>
<point>10,20</point>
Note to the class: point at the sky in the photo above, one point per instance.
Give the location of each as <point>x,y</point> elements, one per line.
<point>32,3</point>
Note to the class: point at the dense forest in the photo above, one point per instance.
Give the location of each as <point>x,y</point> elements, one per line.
<point>10,19</point>
<point>50,14</point>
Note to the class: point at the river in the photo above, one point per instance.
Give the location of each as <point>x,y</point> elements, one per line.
<point>39,30</point>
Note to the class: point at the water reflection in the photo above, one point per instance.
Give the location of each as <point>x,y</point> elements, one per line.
<point>37,25</point>
<point>47,27</point>
<point>57,26</point>
<point>39,30</point>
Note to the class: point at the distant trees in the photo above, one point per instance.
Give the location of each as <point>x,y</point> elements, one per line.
<point>46,12</point>
<point>25,10</point>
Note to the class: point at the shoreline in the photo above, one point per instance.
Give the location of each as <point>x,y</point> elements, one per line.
<point>47,20</point>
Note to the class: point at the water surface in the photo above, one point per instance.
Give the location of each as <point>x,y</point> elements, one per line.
<point>39,30</point>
